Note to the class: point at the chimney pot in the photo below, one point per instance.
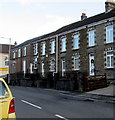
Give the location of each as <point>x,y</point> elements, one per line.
<point>15,43</point>
<point>84,16</point>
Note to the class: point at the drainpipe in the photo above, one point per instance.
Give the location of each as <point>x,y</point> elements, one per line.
<point>56,53</point>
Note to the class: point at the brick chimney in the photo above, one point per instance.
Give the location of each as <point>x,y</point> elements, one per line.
<point>83,16</point>
<point>109,5</point>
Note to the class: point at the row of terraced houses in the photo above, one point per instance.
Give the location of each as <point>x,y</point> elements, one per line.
<point>86,46</point>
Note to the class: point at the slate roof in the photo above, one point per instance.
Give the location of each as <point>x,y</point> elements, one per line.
<point>87,21</point>
<point>72,26</point>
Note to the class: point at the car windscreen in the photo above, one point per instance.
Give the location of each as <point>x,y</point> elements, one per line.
<point>3,91</point>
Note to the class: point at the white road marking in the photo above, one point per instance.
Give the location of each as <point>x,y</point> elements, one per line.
<point>59,116</point>
<point>31,104</point>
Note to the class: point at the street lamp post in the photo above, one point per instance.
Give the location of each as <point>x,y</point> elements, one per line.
<point>9,58</point>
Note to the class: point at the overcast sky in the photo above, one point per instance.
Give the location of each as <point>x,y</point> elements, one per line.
<point>22,20</point>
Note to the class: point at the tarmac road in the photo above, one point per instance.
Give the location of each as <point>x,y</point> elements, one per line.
<point>43,103</point>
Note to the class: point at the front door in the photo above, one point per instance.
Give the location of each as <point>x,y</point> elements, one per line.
<point>63,67</point>
<point>43,69</point>
<point>91,65</point>
<point>24,66</point>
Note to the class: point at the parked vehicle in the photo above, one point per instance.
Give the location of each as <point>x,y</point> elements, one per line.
<point>7,108</point>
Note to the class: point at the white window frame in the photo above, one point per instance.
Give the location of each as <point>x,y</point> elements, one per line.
<point>91,38</point>
<point>109,34</point>
<point>63,42</point>
<point>43,48</point>
<point>76,41</point>
<point>76,59</point>
<point>19,52</point>
<point>35,48</point>
<point>25,52</point>
<point>52,46</point>
<point>111,59</point>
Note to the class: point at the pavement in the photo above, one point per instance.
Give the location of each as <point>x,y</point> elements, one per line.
<point>106,95</point>
<point>107,91</point>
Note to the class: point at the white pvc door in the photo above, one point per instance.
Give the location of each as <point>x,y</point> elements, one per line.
<point>42,69</point>
<point>24,66</point>
<point>91,65</point>
<point>63,67</point>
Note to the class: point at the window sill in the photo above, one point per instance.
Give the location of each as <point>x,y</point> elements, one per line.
<point>108,43</point>
<point>75,49</point>
<point>109,68</point>
<point>52,53</point>
<point>76,69</point>
<point>36,54</point>
<point>63,51</point>
<point>52,70</point>
<point>43,55</point>
<point>91,46</point>
<point>35,68</point>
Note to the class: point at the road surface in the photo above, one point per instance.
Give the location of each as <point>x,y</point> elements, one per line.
<point>44,103</point>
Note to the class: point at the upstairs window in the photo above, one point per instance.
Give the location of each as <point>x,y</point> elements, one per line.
<point>52,46</point>
<point>19,52</point>
<point>63,41</point>
<point>25,51</point>
<point>43,48</point>
<point>109,59</point>
<point>76,42</point>
<point>91,38</point>
<point>109,34</point>
<point>36,49</point>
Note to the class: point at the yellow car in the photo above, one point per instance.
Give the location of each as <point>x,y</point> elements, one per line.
<point>7,109</point>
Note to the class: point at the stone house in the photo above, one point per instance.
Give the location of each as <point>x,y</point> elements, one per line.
<point>86,46</point>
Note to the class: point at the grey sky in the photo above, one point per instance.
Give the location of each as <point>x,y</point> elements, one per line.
<point>25,19</point>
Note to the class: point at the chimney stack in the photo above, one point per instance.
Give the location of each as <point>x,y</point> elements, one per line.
<point>109,5</point>
<point>83,16</point>
<point>15,43</point>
